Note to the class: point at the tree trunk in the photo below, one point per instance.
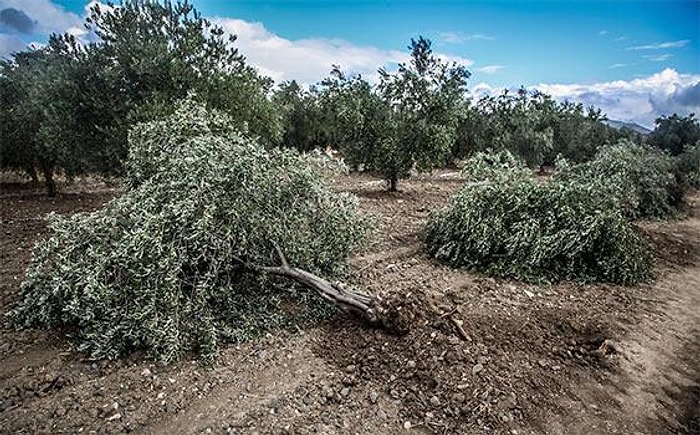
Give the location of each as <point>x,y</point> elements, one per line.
<point>393,181</point>
<point>347,299</point>
<point>48,179</point>
<point>31,171</point>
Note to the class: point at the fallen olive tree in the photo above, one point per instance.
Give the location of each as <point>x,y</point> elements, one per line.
<point>640,178</point>
<point>185,258</point>
<point>342,296</point>
<point>506,222</point>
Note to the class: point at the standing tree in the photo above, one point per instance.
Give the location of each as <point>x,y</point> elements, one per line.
<point>160,53</point>
<point>424,98</point>
<point>408,121</point>
<point>578,133</point>
<point>471,131</point>
<point>18,120</point>
<point>357,116</point>
<point>518,123</point>
<point>76,102</point>
<point>674,133</point>
<point>303,118</point>
<point>532,126</point>
<point>42,114</point>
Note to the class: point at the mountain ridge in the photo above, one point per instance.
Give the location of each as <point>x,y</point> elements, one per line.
<point>619,125</point>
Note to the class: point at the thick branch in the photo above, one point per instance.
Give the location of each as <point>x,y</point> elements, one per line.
<point>344,297</point>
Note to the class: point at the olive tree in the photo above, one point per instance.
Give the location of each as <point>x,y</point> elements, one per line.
<point>192,254</point>
<point>155,54</point>
<point>357,117</point>
<point>517,122</point>
<point>423,97</point>
<point>504,222</point>
<point>408,121</point>
<point>18,120</point>
<point>304,121</point>
<point>675,133</point>
<point>46,126</point>
<point>640,178</point>
<point>80,100</point>
<point>533,126</point>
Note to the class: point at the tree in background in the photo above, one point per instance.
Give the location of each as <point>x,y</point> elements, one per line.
<point>470,135</point>
<point>579,133</point>
<point>534,127</point>
<point>18,119</point>
<point>424,98</point>
<point>42,113</point>
<point>519,123</point>
<point>356,116</point>
<point>162,53</point>
<point>409,121</point>
<point>687,167</point>
<point>83,99</point>
<point>304,122</point>
<point>674,133</point>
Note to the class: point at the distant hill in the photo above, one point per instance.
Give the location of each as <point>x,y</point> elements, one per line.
<point>631,125</point>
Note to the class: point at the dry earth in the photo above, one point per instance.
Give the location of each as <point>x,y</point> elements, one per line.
<point>529,360</point>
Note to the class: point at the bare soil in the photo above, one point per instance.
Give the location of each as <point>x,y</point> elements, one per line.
<point>564,358</point>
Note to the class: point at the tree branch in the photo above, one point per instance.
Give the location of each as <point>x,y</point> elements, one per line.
<point>344,297</point>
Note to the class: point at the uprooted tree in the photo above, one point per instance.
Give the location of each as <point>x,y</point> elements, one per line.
<point>198,250</point>
<point>507,223</point>
<point>641,179</point>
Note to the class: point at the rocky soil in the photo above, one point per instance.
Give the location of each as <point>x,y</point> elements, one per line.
<point>482,356</point>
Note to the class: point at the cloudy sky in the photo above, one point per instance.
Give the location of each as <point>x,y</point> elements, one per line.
<point>634,59</point>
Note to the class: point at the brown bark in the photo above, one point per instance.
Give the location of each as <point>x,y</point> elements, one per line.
<point>48,179</point>
<point>393,182</point>
<point>31,171</point>
<point>347,299</point>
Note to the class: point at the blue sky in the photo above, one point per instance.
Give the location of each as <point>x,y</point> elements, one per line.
<point>534,41</point>
<point>637,60</point>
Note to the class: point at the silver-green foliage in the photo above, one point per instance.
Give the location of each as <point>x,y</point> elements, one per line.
<point>639,177</point>
<point>505,222</point>
<point>155,268</point>
<point>688,166</point>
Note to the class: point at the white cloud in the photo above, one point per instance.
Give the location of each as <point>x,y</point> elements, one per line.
<point>305,60</point>
<point>640,100</point>
<point>657,57</point>
<point>603,32</point>
<point>490,69</point>
<point>48,17</point>
<point>483,89</point>
<point>617,65</point>
<point>10,44</point>
<point>310,60</point>
<point>621,38</point>
<point>459,37</point>
<point>661,45</point>
<point>449,58</point>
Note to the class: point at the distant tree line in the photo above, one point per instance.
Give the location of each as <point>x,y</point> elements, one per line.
<point>68,107</point>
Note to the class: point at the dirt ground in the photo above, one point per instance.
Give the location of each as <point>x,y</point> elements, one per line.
<point>566,358</point>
